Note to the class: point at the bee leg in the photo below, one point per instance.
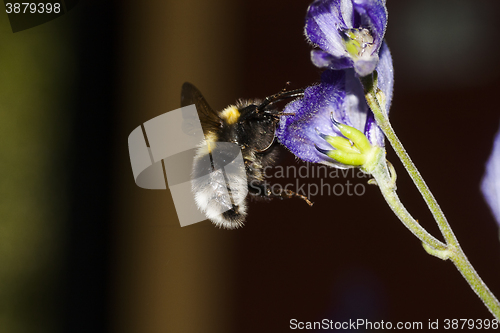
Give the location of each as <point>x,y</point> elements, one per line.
<point>282,95</point>
<point>263,190</point>
<point>289,194</point>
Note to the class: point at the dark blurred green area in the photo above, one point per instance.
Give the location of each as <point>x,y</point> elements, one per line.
<point>38,72</point>
<point>55,106</point>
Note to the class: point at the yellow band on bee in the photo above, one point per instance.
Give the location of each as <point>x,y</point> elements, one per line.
<point>230,114</point>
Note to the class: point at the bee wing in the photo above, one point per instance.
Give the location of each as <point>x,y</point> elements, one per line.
<point>210,121</point>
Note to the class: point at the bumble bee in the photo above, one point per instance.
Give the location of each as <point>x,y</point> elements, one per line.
<point>220,185</point>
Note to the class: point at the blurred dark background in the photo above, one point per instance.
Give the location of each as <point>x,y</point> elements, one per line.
<point>83,249</point>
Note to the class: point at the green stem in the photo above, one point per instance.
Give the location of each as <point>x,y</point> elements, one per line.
<point>452,249</point>
<point>383,122</point>
<point>381,175</point>
<point>474,280</point>
<point>432,245</point>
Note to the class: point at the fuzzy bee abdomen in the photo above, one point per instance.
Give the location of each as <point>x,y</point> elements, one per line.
<point>220,186</point>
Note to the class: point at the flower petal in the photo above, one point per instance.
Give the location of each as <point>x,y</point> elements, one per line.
<point>340,93</point>
<point>366,67</point>
<point>351,31</point>
<point>385,71</point>
<point>372,14</point>
<point>311,114</point>
<point>324,59</point>
<point>325,21</point>
<point>385,82</point>
<point>490,185</point>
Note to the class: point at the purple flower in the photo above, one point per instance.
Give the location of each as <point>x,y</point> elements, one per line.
<point>339,95</point>
<point>348,32</point>
<point>490,184</point>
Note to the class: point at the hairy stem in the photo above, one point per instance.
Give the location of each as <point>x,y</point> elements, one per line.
<point>383,122</point>
<point>383,179</point>
<point>452,249</point>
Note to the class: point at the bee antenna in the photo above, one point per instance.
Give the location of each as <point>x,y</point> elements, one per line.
<point>287,84</point>
<point>270,100</point>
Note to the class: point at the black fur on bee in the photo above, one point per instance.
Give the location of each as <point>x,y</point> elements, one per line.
<point>219,185</point>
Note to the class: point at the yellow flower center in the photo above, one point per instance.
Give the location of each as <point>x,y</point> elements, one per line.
<point>358,43</point>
